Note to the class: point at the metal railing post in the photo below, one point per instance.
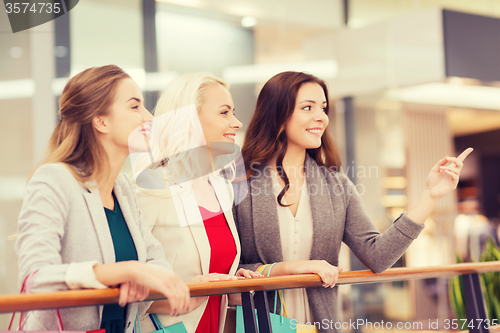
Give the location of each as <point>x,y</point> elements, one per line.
<point>263,312</point>
<point>249,313</point>
<point>474,304</point>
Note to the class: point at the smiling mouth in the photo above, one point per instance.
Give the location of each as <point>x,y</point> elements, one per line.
<point>145,132</point>
<point>229,136</point>
<point>314,131</point>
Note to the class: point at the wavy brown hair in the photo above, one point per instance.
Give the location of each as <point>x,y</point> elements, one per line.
<point>265,137</point>
<point>74,141</point>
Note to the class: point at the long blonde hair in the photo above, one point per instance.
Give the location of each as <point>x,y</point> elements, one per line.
<point>74,141</point>
<point>176,132</point>
<point>186,90</point>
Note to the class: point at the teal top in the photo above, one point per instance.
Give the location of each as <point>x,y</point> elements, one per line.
<point>113,316</point>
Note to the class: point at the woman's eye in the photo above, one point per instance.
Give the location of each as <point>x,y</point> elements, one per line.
<point>325,110</point>
<point>224,112</point>
<point>135,107</point>
<point>307,108</point>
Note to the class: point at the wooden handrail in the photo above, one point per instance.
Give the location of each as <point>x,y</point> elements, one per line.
<point>75,298</point>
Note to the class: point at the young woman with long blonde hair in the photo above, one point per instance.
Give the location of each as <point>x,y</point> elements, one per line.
<point>191,215</point>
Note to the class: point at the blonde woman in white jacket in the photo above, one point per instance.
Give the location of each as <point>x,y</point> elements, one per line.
<point>191,214</point>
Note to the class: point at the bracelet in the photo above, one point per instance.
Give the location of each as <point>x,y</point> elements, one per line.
<point>261,268</point>
<point>269,272</point>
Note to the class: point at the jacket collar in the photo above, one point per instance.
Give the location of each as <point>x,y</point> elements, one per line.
<point>189,216</point>
<point>96,209</point>
<point>321,208</point>
<point>265,215</point>
<point>98,215</point>
<point>124,194</point>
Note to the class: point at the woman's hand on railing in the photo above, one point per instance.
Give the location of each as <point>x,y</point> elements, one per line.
<point>132,292</point>
<point>212,277</point>
<point>247,274</point>
<point>242,273</point>
<point>167,283</point>
<point>133,273</point>
<point>329,274</point>
<point>195,302</point>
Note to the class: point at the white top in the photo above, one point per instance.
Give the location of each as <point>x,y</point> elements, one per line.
<point>296,233</point>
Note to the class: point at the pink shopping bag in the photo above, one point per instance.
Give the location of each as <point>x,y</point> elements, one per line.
<point>25,290</point>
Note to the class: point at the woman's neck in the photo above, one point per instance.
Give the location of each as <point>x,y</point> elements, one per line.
<point>205,162</point>
<point>201,182</point>
<point>294,159</point>
<point>116,158</point>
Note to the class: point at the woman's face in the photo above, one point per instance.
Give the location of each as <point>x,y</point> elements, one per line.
<point>127,117</point>
<point>309,119</point>
<point>217,119</point>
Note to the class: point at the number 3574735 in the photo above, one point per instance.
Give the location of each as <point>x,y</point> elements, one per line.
<point>33,8</point>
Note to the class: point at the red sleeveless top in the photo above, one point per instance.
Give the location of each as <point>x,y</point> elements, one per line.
<point>222,254</point>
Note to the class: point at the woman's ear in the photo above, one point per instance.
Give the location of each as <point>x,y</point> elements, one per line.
<point>101,124</point>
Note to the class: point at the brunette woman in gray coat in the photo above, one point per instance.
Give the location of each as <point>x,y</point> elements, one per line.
<point>296,208</point>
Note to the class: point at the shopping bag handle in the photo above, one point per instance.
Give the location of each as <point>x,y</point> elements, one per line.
<point>156,321</point>
<point>25,289</point>
<point>276,292</point>
<point>154,318</point>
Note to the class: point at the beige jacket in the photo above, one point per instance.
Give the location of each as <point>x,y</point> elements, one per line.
<point>63,228</point>
<point>176,222</point>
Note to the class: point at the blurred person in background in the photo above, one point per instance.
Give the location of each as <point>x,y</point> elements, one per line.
<point>79,225</point>
<point>472,230</point>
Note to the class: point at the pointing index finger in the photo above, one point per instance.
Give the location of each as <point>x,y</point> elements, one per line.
<point>464,154</point>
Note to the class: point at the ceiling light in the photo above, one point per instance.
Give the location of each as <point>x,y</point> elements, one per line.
<point>185,3</point>
<point>26,88</point>
<point>17,88</point>
<point>458,95</point>
<point>16,52</point>
<point>325,69</point>
<point>248,21</point>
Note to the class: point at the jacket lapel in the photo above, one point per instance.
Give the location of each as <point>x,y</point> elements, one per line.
<point>96,209</point>
<point>322,211</point>
<point>121,196</point>
<point>265,217</point>
<point>190,217</point>
<point>222,190</point>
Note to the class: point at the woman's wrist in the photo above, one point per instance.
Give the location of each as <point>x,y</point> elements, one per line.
<point>423,208</point>
<point>117,273</point>
<point>427,196</point>
<point>132,270</point>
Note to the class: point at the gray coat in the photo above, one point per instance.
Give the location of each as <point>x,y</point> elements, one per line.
<point>62,222</point>
<point>338,216</point>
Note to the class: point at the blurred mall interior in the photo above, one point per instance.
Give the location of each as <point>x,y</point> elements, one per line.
<point>411,81</point>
